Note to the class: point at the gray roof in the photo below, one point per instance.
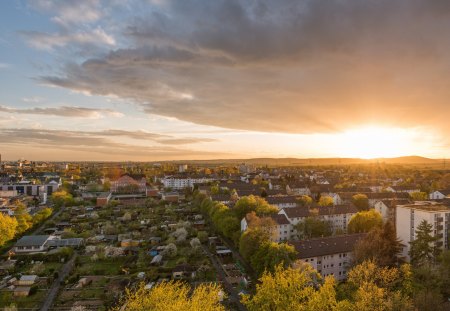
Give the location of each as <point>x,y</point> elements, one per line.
<point>75,242</point>
<point>32,240</point>
<point>326,246</point>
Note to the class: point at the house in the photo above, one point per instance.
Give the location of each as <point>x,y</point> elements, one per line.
<point>282,201</point>
<point>153,192</point>
<point>373,197</point>
<point>103,198</point>
<point>171,197</point>
<point>22,291</point>
<point>32,244</point>
<point>338,215</point>
<point>27,280</point>
<point>221,198</point>
<point>387,208</point>
<point>73,243</point>
<point>130,183</point>
<point>183,271</point>
<point>281,230</point>
<point>409,217</point>
<point>298,189</point>
<point>407,189</point>
<point>329,255</point>
<point>439,194</point>
<point>157,260</point>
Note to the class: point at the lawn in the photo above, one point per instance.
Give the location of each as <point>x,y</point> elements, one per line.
<point>101,267</point>
<point>48,269</point>
<point>33,301</point>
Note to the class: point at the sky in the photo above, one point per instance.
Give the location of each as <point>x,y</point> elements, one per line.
<point>151,80</point>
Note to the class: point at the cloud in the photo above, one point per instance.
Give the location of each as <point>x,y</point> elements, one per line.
<point>65,111</point>
<point>159,138</point>
<point>70,12</point>
<point>46,41</point>
<point>291,66</point>
<point>185,141</point>
<point>92,143</point>
<point>4,65</point>
<point>34,99</point>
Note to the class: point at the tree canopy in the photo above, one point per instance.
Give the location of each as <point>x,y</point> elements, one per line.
<point>364,221</point>
<point>380,245</point>
<point>361,201</point>
<point>174,296</point>
<point>255,204</point>
<point>271,254</point>
<point>422,250</point>
<point>313,227</point>
<point>8,226</point>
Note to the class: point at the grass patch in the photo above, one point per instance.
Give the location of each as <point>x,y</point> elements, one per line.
<point>33,301</point>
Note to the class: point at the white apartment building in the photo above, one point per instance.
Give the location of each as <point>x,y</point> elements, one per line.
<point>281,230</point>
<point>330,255</point>
<point>179,183</point>
<point>338,216</point>
<point>408,218</point>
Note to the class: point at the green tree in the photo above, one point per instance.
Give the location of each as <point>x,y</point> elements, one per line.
<point>271,254</point>
<point>380,245</point>
<point>62,197</point>
<point>255,204</point>
<point>313,227</point>
<point>364,221</point>
<point>419,196</point>
<point>304,200</point>
<point>251,240</point>
<point>42,215</point>
<point>202,236</point>
<point>361,201</point>
<point>8,226</point>
<point>422,249</point>
<point>24,219</point>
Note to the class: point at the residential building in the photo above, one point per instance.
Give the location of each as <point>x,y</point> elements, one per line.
<point>387,208</point>
<point>409,217</point>
<point>32,244</point>
<point>136,183</point>
<point>182,182</point>
<point>439,194</point>
<point>287,201</point>
<point>281,230</point>
<point>330,255</point>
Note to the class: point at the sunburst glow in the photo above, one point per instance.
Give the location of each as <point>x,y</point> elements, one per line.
<point>378,142</point>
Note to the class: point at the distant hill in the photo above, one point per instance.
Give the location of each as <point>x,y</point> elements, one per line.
<point>318,161</point>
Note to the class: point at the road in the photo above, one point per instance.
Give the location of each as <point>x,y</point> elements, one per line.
<point>234,296</point>
<point>54,289</point>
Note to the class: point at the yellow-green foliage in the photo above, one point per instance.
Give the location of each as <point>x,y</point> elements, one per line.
<point>173,296</point>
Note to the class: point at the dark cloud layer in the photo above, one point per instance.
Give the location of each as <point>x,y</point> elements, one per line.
<point>91,138</point>
<point>290,66</point>
<point>93,142</point>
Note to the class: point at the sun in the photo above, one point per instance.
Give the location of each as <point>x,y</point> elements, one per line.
<point>376,142</point>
